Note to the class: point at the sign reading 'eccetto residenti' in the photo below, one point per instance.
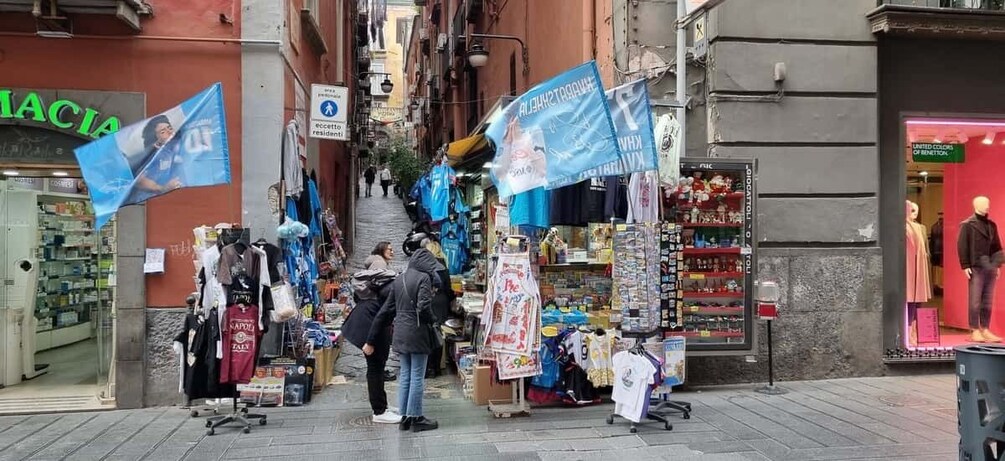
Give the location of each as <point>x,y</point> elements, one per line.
<point>61,114</point>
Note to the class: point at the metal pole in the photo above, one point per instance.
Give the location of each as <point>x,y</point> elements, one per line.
<point>682,76</point>
<point>771,361</point>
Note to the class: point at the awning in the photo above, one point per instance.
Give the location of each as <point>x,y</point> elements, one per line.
<point>463,150</point>
<point>458,150</point>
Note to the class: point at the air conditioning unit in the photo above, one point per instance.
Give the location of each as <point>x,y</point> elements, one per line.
<point>441,43</point>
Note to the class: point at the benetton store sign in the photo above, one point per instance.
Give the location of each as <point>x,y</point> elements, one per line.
<point>937,153</point>
<point>60,114</point>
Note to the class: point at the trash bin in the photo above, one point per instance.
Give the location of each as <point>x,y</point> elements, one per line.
<point>980,398</point>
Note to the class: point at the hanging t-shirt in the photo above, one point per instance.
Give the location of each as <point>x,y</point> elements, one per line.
<point>599,368</point>
<point>667,134</point>
<point>616,198</point>
<point>633,376</point>
<point>530,208</point>
<point>453,250</point>
<point>576,348</point>
<point>240,344</point>
<point>593,198</point>
<point>564,208</point>
<point>643,198</point>
<point>440,180</point>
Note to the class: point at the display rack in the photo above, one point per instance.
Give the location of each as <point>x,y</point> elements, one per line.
<point>660,409</point>
<point>713,281</point>
<point>517,405</point>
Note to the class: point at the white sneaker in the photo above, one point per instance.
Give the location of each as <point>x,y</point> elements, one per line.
<point>387,417</point>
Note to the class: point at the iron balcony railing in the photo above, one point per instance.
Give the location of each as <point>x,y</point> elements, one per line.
<point>985,5</point>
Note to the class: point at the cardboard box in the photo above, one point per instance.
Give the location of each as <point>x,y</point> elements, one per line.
<point>486,388</point>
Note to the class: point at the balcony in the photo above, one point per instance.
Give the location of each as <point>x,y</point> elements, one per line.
<point>957,19</point>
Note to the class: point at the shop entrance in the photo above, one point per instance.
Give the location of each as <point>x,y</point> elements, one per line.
<point>952,164</point>
<point>57,296</point>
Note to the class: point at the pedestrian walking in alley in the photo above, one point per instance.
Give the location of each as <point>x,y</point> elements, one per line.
<point>380,257</point>
<point>409,307</point>
<point>443,297</point>
<point>369,176</point>
<point>371,289</point>
<point>385,179</point>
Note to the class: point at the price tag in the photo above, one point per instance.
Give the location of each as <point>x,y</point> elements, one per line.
<point>697,276</point>
<point>706,334</point>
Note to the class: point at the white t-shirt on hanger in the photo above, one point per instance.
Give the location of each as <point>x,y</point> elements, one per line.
<point>643,198</point>
<point>633,376</point>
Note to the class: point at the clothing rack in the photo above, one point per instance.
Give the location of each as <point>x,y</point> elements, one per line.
<point>517,405</point>
<point>660,409</point>
<point>206,408</point>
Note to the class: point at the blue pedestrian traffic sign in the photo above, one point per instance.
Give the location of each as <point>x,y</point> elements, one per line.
<point>329,108</point>
<point>329,116</point>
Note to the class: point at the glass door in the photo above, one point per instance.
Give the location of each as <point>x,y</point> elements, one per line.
<point>104,314</point>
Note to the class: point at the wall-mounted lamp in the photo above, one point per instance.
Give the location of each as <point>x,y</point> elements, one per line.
<point>386,86</point>
<point>478,56</point>
<point>414,105</point>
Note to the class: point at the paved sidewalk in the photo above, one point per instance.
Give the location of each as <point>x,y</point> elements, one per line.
<point>852,419</point>
<point>905,418</point>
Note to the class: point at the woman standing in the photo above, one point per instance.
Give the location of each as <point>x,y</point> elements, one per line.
<point>373,288</point>
<point>380,257</point>
<point>409,306</point>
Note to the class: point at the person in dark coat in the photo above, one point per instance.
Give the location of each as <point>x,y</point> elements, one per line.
<point>443,297</point>
<point>410,307</point>
<point>356,330</point>
<point>369,175</point>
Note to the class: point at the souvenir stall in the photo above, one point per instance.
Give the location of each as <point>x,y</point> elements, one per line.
<point>282,337</point>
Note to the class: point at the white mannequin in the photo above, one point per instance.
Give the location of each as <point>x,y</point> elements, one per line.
<point>982,206</point>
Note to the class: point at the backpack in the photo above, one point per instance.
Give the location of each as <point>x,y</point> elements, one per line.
<point>366,284</point>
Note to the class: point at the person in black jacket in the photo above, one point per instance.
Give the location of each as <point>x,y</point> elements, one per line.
<point>409,306</point>
<point>356,330</point>
<point>443,297</point>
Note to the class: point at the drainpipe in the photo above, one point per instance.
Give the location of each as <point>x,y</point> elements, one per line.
<point>589,32</point>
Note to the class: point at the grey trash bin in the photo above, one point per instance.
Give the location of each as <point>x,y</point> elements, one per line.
<point>980,398</point>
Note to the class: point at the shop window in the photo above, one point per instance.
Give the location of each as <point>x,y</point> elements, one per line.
<point>953,179</point>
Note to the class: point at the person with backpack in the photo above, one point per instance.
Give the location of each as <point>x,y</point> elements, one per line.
<point>370,290</point>
<point>409,307</point>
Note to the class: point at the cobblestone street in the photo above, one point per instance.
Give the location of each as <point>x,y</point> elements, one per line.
<point>905,418</point>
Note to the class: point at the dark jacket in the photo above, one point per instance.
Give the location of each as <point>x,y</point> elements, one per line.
<point>369,174</point>
<point>444,294</point>
<point>979,245</point>
<point>356,328</point>
<point>409,306</point>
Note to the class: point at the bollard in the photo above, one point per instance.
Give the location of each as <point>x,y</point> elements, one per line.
<point>980,397</point>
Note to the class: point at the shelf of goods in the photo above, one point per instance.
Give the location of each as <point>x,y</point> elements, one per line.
<point>712,280</point>
<point>70,254</point>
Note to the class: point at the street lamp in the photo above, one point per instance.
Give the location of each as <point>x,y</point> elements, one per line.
<point>478,56</point>
<point>386,86</point>
<point>414,105</point>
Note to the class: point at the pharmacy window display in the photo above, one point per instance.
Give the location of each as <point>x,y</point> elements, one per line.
<point>952,242</point>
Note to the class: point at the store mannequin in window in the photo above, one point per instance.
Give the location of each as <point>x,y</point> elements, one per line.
<point>980,252</point>
<point>919,285</point>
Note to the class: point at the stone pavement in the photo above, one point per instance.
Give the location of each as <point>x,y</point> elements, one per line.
<point>903,418</point>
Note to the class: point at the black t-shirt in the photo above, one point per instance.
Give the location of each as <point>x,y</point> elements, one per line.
<point>565,207</point>
<point>593,193</point>
<point>616,203</point>
<point>243,290</point>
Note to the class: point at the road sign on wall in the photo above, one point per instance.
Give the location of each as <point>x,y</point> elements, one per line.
<point>329,112</point>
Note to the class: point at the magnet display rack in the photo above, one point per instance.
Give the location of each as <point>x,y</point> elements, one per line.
<point>714,209</point>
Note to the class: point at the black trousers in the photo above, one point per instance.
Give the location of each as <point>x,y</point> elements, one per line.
<point>375,364</point>
<point>982,288</point>
<point>384,184</point>
<point>369,187</point>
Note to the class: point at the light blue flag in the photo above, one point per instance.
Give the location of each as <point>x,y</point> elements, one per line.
<point>553,132</point>
<point>185,146</point>
<point>633,122</point>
